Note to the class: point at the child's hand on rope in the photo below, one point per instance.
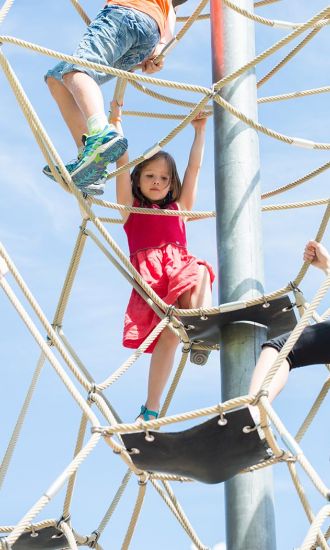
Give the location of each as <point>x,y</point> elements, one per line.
<point>115,112</point>
<point>199,122</point>
<point>148,65</point>
<point>317,255</point>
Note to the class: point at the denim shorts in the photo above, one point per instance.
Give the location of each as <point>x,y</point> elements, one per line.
<point>119,37</point>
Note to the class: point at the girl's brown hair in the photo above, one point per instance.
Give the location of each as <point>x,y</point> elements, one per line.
<point>175,182</point>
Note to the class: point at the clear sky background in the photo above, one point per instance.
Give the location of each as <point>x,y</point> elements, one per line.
<point>39,223</point>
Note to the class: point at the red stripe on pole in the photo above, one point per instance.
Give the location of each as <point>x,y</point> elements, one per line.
<point>216,11</point>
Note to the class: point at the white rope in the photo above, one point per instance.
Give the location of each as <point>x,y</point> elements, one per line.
<point>95,389</point>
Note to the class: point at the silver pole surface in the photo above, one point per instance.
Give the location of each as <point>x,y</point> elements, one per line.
<point>250,522</point>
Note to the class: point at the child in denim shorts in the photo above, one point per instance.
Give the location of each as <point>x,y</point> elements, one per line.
<point>124,34</point>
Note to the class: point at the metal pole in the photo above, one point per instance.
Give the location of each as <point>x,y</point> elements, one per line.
<point>250,523</point>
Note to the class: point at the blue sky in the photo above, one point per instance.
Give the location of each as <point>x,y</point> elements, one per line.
<point>39,224</point>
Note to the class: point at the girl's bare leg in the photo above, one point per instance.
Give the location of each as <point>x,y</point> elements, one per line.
<point>160,367</point>
<point>163,355</point>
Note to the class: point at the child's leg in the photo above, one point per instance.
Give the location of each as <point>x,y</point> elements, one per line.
<point>198,296</point>
<point>77,98</point>
<point>70,111</point>
<point>264,363</point>
<point>160,367</point>
<point>311,348</point>
<point>85,92</point>
<point>76,89</point>
<point>164,352</point>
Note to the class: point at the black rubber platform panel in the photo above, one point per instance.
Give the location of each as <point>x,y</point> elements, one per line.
<point>278,316</point>
<point>48,537</point>
<point>208,452</point>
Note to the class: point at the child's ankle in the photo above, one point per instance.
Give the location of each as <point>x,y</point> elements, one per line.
<point>152,406</point>
<point>96,123</point>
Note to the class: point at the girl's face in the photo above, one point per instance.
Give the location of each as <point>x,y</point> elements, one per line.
<point>155,180</point>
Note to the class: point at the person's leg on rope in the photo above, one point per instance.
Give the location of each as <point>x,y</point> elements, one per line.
<point>161,364</point>
<point>103,143</point>
<point>311,348</point>
<point>81,103</point>
<point>266,359</point>
<point>115,32</point>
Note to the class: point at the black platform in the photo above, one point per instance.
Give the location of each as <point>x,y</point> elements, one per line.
<point>208,452</point>
<point>47,538</point>
<point>278,315</point>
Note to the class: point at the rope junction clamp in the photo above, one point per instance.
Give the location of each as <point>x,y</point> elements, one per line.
<point>63,519</point>
<point>266,303</point>
<point>152,151</point>
<point>93,389</point>
<point>261,393</point>
<point>94,537</point>
<point>222,420</point>
<point>34,533</point>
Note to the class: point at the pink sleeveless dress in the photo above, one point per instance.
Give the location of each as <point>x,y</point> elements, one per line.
<point>158,251</point>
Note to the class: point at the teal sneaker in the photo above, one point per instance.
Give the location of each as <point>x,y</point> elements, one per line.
<point>100,149</point>
<point>71,166</point>
<point>147,414</point>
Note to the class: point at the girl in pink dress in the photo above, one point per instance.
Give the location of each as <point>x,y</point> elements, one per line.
<point>158,250</point>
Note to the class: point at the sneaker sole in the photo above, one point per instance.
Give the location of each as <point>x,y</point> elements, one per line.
<point>87,193</point>
<point>90,192</point>
<point>48,174</point>
<point>91,171</point>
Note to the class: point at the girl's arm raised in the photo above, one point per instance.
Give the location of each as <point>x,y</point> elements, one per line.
<point>190,180</point>
<point>123,180</point>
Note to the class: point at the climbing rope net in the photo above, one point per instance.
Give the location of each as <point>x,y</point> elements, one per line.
<point>94,228</point>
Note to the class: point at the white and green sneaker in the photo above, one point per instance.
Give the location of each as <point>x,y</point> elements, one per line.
<point>100,149</point>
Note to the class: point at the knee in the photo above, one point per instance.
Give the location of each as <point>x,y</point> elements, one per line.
<point>57,86</point>
<point>204,274</point>
<point>67,77</point>
<point>169,338</point>
<point>53,84</point>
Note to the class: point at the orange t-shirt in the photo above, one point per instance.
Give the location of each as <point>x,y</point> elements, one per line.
<point>157,9</point>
